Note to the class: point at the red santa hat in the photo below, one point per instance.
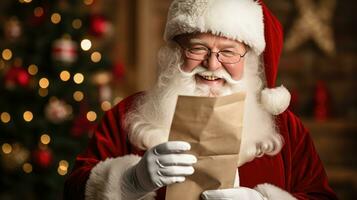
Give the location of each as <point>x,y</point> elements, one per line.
<point>247,21</point>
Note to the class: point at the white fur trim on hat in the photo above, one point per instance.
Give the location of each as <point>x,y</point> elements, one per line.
<point>104,179</point>
<point>272,192</point>
<point>240,20</point>
<point>275,100</point>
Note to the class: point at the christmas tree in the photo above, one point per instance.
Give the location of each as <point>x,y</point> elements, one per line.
<point>55,84</point>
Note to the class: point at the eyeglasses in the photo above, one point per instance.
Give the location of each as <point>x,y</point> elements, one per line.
<point>223,56</point>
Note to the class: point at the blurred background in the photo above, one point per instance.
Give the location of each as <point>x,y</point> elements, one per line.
<point>63,63</point>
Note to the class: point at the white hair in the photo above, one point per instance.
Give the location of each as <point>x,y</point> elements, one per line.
<point>148,122</point>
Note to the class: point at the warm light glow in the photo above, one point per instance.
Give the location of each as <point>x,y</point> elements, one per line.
<point>38,12</point>
<point>65,75</point>
<point>61,171</point>
<point>32,69</point>
<point>5,117</point>
<point>25,1</point>
<point>77,24</point>
<point>55,18</point>
<point>91,116</point>
<point>88,2</point>
<point>78,96</point>
<point>7,54</point>
<point>62,167</point>
<point>78,78</point>
<point>96,57</point>
<point>106,105</point>
<point>43,92</point>
<point>45,139</point>
<point>6,148</point>
<point>63,164</point>
<point>44,83</point>
<point>27,167</point>
<point>86,44</point>
<point>28,116</point>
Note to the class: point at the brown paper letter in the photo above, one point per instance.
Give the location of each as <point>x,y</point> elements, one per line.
<point>213,127</point>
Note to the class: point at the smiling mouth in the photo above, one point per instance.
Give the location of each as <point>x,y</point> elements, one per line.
<point>210,78</point>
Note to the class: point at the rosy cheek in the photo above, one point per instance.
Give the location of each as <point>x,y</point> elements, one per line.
<point>189,65</point>
<point>236,71</point>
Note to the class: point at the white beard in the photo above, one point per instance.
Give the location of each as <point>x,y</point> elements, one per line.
<point>149,121</point>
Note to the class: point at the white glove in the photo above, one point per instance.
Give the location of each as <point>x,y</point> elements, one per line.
<point>239,193</point>
<point>160,166</point>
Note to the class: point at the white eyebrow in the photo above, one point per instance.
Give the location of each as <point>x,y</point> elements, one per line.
<point>196,40</point>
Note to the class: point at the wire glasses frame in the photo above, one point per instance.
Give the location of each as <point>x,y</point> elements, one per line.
<point>223,56</point>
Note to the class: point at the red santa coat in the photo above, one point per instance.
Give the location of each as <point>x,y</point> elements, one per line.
<point>295,173</point>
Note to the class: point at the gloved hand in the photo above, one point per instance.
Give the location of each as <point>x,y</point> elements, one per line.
<point>160,166</point>
<point>239,193</point>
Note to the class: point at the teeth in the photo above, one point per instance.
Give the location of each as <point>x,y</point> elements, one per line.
<point>210,78</point>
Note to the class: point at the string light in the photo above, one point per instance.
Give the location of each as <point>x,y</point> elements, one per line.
<point>28,116</point>
<point>78,78</point>
<point>32,69</point>
<point>88,2</point>
<point>91,116</point>
<point>78,96</point>
<point>27,167</point>
<point>64,163</point>
<point>65,75</point>
<point>43,92</point>
<point>38,11</point>
<point>63,167</point>
<point>96,57</point>
<point>25,1</point>
<point>77,23</point>
<point>86,44</point>
<point>45,139</point>
<point>55,18</point>
<point>7,54</point>
<point>5,117</point>
<point>44,83</point>
<point>6,148</point>
<point>106,105</point>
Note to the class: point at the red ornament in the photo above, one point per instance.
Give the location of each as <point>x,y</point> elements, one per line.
<point>42,157</point>
<point>64,50</point>
<point>39,16</point>
<point>16,76</point>
<point>321,109</point>
<point>99,26</point>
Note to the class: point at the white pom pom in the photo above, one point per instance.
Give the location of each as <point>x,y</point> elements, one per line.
<point>275,100</point>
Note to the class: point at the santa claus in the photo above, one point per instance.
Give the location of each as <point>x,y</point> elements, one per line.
<point>213,48</point>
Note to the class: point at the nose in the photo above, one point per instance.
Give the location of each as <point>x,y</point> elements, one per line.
<point>212,63</point>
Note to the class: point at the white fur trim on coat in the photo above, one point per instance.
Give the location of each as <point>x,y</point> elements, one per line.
<point>272,192</point>
<point>240,20</point>
<point>105,177</point>
<point>275,100</point>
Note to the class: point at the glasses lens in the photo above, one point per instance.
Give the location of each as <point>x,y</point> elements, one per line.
<point>229,60</point>
<point>197,53</point>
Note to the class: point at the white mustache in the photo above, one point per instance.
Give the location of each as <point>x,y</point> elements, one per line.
<point>201,71</point>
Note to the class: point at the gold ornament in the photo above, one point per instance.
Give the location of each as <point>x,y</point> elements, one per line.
<point>314,23</point>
